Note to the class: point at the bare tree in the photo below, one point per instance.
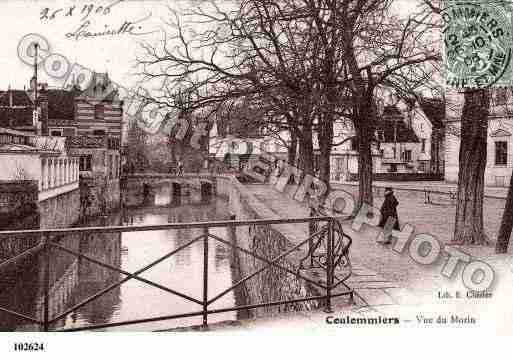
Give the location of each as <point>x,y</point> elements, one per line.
<point>472,164</point>
<point>473,134</point>
<point>137,158</point>
<point>311,62</point>
<point>506,223</point>
<point>506,226</point>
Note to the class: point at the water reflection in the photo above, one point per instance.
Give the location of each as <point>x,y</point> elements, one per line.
<point>72,279</point>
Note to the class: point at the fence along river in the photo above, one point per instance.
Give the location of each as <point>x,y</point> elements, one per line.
<point>73,279</point>
<point>177,275</point>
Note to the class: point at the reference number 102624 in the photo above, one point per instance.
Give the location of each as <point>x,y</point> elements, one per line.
<point>28,347</point>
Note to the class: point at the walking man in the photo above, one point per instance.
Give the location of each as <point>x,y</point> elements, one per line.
<point>389,212</point>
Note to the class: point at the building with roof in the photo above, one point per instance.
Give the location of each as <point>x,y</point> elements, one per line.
<point>434,109</point>
<point>499,164</point>
<point>42,159</point>
<point>39,171</point>
<point>88,125</point>
<point>402,143</point>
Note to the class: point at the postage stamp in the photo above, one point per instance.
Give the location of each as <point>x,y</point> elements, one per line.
<point>477,43</point>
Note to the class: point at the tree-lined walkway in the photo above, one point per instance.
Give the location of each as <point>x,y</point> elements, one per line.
<point>384,278</point>
<point>373,289</point>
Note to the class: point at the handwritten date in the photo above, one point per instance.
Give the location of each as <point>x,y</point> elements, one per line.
<point>84,11</point>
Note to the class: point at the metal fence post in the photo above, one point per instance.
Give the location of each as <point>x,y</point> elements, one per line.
<point>46,282</point>
<point>312,228</point>
<point>205,276</point>
<point>329,266</point>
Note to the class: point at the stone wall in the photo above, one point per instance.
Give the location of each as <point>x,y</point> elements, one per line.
<point>18,210</point>
<point>60,211</point>
<point>267,241</point>
<point>18,199</point>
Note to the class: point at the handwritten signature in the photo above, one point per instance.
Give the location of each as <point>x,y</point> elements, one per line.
<point>86,28</point>
<point>127,28</point>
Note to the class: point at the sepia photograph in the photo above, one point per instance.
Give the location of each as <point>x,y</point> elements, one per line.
<point>222,170</point>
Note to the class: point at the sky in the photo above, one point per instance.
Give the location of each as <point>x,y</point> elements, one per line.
<point>115,54</point>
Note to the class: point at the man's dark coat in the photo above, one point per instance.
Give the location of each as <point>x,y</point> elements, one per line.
<point>389,209</point>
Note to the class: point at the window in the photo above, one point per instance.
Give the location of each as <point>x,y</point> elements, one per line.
<point>339,164</point>
<point>393,167</point>
<point>98,112</point>
<point>56,133</point>
<point>98,132</point>
<point>407,155</point>
<point>85,162</point>
<point>423,146</point>
<point>501,96</point>
<point>501,153</point>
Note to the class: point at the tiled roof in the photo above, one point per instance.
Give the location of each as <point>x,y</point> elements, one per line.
<point>61,107</point>
<point>17,148</point>
<point>16,117</point>
<point>19,98</point>
<point>10,147</point>
<point>7,131</point>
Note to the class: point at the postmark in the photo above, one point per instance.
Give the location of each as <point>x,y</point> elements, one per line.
<point>477,43</point>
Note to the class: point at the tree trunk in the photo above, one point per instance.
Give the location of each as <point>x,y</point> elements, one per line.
<point>364,167</point>
<point>292,150</point>
<point>325,141</point>
<point>364,135</point>
<point>306,154</point>
<point>506,224</point>
<point>472,163</point>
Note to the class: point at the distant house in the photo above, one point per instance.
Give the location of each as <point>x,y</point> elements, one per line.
<point>17,111</point>
<point>402,143</point>
<point>236,143</point>
<point>499,164</point>
<point>401,148</point>
<point>89,122</point>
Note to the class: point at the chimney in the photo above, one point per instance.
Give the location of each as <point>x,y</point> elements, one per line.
<point>43,106</point>
<point>10,96</point>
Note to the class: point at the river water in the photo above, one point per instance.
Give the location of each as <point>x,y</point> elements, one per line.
<point>73,280</point>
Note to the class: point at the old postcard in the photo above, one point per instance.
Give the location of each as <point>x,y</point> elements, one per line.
<point>239,166</point>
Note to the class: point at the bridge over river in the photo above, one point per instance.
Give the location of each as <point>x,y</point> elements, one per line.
<point>205,184</point>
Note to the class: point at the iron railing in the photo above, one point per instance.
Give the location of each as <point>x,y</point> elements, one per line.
<point>330,237</point>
